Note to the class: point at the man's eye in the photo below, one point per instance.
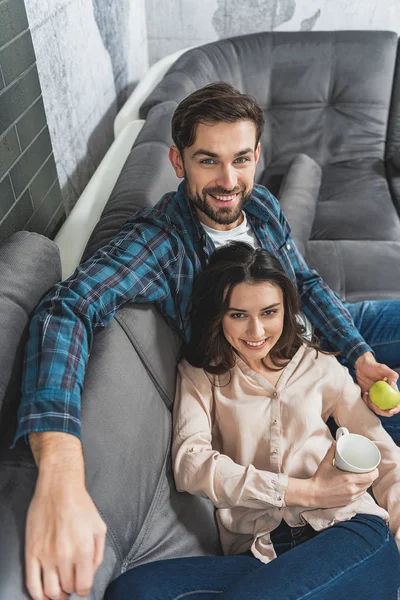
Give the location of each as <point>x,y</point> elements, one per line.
<point>207,161</point>
<point>242,159</point>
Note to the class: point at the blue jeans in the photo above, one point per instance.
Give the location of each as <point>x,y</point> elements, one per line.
<point>355,559</point>
<point>378,321</point>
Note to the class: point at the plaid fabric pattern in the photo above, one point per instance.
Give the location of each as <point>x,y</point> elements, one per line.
<point>154,258</point>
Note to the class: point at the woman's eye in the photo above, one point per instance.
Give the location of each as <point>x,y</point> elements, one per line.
<point>237,315</point>
<point>269,312</point>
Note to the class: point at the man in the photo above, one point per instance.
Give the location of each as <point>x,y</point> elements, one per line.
<point>154,258</point>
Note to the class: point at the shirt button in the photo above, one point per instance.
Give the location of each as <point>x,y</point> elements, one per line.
<point>288,246</point>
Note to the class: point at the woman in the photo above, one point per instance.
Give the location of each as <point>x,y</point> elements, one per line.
<point>253,397</point>
<point>250,432</point>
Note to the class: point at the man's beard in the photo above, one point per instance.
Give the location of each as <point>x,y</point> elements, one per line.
<point>221,216</point>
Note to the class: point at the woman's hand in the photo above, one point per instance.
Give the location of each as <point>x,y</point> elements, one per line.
<point>329,487</point>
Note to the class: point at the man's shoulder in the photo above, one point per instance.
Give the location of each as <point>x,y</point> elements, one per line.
<point>263,201</point>
<point>165,210</point>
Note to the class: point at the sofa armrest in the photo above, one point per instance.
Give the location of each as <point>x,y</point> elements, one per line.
<point>29,265</point>
<point>298,197</point>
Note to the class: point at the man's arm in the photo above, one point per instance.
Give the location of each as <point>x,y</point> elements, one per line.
<point>326,311</point>
<point>133,267</point>
<point>65,533</point>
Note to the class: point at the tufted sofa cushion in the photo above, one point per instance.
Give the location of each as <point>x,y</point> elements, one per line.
<point>318,102</point>
<point>298,197</point>
<point>308,88</point>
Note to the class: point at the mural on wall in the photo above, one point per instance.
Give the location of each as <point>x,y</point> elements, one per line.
<point>308,24</point>
<point>89,54</point>
<point>238,17</point>
<point>113,24</point>
<point>177,25</point>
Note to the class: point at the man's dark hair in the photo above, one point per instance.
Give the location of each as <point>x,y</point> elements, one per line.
<point>214,103</point>
<point>230,265</point>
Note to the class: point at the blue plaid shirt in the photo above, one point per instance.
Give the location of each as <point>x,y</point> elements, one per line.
<point>154,258</point>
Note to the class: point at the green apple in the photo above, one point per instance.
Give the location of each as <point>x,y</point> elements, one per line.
<point>384,395</point>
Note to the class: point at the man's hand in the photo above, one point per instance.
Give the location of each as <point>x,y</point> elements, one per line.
<point>367,372</point>
<point>65,534</point>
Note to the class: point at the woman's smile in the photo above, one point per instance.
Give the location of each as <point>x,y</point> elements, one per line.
<point>253,345</point>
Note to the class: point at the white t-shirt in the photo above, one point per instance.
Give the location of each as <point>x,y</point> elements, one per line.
<point>241,233</point>
<point>244,233</point>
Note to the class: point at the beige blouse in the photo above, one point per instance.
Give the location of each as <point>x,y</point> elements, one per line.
<point>237,443</point>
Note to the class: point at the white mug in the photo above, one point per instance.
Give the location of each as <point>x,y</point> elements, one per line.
<point>355,453</point>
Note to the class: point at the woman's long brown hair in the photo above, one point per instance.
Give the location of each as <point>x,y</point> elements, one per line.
<point>230,265</point>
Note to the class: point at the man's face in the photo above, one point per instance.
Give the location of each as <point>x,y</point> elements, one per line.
<point>219,171</point>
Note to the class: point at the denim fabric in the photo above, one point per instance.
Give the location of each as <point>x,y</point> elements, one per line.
<point>355,559</point>
<point>378,321</point>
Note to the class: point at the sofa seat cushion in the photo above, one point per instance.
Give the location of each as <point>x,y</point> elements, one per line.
<point>357,270</point>
<point>355,203</point>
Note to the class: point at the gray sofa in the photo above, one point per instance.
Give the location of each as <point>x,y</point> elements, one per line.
<point>331,102</point>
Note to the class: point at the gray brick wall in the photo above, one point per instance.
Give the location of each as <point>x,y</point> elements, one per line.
<point>30,196</point>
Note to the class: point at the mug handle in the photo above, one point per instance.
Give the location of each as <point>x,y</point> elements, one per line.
<point>341,432</point>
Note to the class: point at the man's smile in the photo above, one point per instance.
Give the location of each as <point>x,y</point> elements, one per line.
<point>226,199</point>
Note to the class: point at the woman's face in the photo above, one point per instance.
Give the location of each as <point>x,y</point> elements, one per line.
<point>253,322</point>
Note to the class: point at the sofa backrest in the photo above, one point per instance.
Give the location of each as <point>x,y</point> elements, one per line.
<point>145,177</point>
<point>126,433</point>
<point>326,94</point>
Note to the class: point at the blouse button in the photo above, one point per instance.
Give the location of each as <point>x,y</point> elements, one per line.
<point>279,498</point>
<point>274,422</point>
<point>275,451</point>
<point>274,395</point>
